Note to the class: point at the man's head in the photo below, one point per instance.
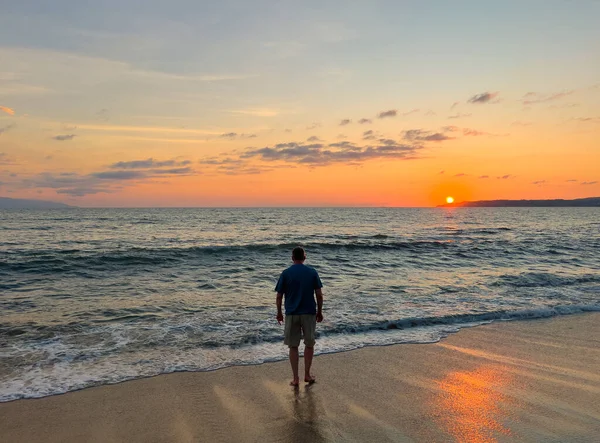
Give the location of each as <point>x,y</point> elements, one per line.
<point>298,255</point>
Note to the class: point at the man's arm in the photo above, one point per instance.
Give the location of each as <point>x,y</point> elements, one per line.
<point>278,300</point>
<point>319,294</point>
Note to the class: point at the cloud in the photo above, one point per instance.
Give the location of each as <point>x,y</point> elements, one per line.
<point>390,113</point>
<point>532,98</point>
<point>7,128</point>
<point>538,182</point>
<point>520,123</point>
<point>572,180</point>
<point>342,152</point>
<point>459,115</point>
<point>426,136</point>
<point>588,119</point>
<point>313,138</point>
<point>9,111</point>
<point>232,166</point>
<point>65,137</point>
<point>460,174</point>
<point>369,135</point>
<point>430,113</point>
<point>473,133</point>
<point>412,111</point>
<point>103,114</point>
<point>315,125</point>
<point>234,135</point>
<point>257,112</point>
<point>120,175</point>
<point>76,185</point>
<point>441,172</point>
<point>148,163</point>
<point>484,176</point>
<point>173,171</point>
<point>5,159</point>
<point>454,105</point>
<point>505,177</point>
<point>365,121</point>
<point>345,122</point>
<point>484,97</point>
<point>589,183</point>
<point>450,128</point>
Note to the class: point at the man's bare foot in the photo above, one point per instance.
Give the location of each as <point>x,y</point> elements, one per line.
<point>309,379</point>
<point>295,382</point>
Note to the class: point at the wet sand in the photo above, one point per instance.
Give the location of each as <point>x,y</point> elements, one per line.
<point>525,381</point>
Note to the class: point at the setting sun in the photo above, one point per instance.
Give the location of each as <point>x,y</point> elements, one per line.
<point>449,200</point>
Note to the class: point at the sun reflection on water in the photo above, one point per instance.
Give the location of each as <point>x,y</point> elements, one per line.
<point>471,405</point>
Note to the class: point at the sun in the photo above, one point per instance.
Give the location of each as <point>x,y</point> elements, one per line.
<point>449,200</point>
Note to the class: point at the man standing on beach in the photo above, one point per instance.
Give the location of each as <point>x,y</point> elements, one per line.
<point>300,283</point>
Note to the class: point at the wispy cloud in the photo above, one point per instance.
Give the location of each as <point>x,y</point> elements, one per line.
<point>314,125</point>
<point>389,113</point>
<point>313,138</point>
<point>65,137</point>
<point>459,115</point>
<point>484,176</point>
<point>484,97</point>
<point>365,121</point>
<point>257,112</point>
<point>538,182</point>
<point>460,174</point>
<point>369,135</point>
<point>235,135</point>
<point>589,183</point>
<point>473,132</point>
<point>6,128</point>
<point>532,98</point>
<point>148,163</point>
<point>426,136</point>
<point>505,177</point>
<point>146,129</point>
<point>454,105</point>
<point>345,122</point>
<point>9,111</point>
<point>318,154</point>
<point>412,111</point>
<point>119,175</point>
<point>588,119</point>
<point>572,180</point>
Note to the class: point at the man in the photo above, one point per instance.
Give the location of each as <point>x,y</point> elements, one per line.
<point>299,284</point>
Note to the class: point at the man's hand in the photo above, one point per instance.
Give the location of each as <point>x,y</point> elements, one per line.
<point>319,317</point>
<point>280,317</point>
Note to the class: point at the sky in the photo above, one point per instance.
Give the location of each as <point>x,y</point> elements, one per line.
<point>286,103</point>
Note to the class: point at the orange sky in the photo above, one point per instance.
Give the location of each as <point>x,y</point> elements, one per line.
<point>299,107</point>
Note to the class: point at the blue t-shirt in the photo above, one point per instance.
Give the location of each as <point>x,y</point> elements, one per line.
<point>298,283</point>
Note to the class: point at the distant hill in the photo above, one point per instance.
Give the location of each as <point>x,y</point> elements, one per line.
<point>578,202</point>
<point>21,203</point>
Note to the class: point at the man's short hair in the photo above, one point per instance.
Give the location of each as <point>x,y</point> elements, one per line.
<point>298,253</point>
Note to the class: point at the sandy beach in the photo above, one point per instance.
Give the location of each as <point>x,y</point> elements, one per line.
<point>507,381</point>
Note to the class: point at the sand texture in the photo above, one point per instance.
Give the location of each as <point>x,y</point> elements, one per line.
<point>531,381</point>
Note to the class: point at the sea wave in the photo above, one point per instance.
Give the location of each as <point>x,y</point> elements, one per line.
<point>66,372</point>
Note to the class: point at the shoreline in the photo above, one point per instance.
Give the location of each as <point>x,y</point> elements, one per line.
<point>475,323</point>
<point>534,380</point>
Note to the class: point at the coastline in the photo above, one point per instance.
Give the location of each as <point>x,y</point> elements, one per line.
<point>535,380</point>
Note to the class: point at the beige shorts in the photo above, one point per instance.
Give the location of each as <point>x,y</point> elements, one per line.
<point>300,326</point>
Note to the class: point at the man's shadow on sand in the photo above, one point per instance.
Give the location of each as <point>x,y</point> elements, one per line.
<point>306,423</point>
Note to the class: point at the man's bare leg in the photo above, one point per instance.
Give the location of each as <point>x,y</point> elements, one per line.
<point>294,362</point>
<point>308,358</point>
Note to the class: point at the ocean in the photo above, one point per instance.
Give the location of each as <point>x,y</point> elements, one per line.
<point>97,296</point>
